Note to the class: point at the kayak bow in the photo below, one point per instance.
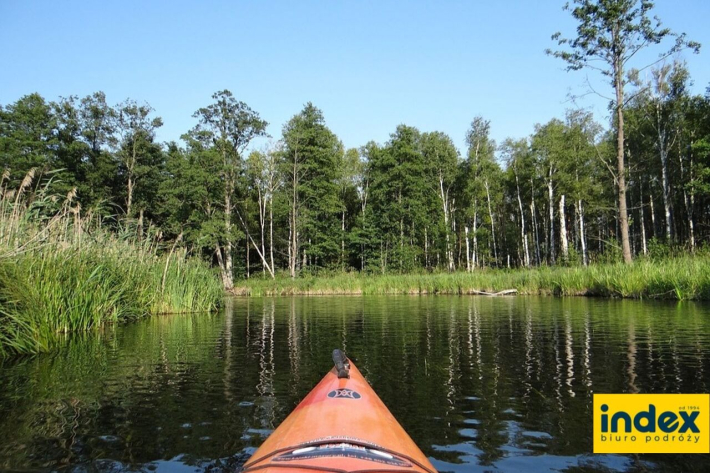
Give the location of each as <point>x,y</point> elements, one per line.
<point>342,426</point>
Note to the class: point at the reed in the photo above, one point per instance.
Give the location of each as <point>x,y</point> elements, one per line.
<point>681,278</point>
<point>62,272</point>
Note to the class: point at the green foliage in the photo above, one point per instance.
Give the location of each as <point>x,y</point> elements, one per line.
<point>410,205</point>
<point>610,32</point>
<point>311,164</point>
<point>61,272</point>
<point>683,278</point>
<point>189,202</point>
<point>139,157</point>
<point>225,129</point>
<point>27,137</point>
<point>402,199</point>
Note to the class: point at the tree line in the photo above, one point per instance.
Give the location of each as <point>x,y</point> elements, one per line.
<point>573,192</point>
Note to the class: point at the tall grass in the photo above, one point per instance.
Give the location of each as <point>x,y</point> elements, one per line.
<point>679,278</point>
<point>61,271</point>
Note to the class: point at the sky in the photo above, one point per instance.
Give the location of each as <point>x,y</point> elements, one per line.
<point>368,65</point>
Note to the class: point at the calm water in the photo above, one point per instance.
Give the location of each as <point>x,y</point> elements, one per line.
<point>481,384</point>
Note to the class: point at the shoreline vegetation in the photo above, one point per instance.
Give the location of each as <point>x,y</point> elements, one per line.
<point>678,278</point>
<point>63,272</point>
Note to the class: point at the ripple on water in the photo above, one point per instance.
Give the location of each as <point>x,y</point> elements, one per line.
<point>480,384</point>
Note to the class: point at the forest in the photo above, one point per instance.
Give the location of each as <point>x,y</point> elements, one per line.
<point>305,204</point>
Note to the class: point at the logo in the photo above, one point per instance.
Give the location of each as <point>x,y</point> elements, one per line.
<point>651,423</point>
<point>344,393</point>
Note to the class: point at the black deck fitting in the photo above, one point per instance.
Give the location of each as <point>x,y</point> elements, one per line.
<point>342,365</point>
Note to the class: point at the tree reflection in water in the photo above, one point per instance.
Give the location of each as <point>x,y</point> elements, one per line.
<point>479,383</point>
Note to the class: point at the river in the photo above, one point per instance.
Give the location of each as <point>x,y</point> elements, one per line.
<point>481,384</point>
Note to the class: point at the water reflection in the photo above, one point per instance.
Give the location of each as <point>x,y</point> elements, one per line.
<point>480,384</point>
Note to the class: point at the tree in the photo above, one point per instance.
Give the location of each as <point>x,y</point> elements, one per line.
<point>350,171</point>
<point>609,35</point>
<point>189,200</point>
<point>582,175</point>
<point>483,179</point>
<point>401,199</point>
<point>262,175</point>
<point>696,150</point>
<point>28,137</point>
<point>549,146</point>
<point>442,158</point>
<point>97,121</point>
<point>228,126</point>
<point>365,232</point>
<point>311,161</point>
<point>516,153</point>
<point>135,143</point>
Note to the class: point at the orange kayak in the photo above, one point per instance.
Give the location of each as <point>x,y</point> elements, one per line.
<point>341,426</point>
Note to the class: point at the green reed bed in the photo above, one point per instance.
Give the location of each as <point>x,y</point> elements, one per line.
<point>677,278</point>
<point>62,272</point>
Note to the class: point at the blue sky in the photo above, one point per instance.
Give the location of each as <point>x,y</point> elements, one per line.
<point>369,65</point>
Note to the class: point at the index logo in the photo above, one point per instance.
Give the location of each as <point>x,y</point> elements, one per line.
<point>651,423</point>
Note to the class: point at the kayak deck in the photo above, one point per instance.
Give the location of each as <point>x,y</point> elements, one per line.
<point>341,426</point>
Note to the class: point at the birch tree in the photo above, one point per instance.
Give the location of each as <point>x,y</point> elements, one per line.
<point>442,158</point>
<point>483,172</point>
<point>610,33</point>
<point>516,153</point>
<point>228,126</point>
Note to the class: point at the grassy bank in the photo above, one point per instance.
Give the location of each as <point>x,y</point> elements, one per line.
<point>61,272</point>
<point>679,278</point>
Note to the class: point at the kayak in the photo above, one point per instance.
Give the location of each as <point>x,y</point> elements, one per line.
<point>341,426</point>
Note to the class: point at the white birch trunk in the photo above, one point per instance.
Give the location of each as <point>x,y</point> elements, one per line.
<point>563,231</point>
<point>644,247</point>
<point>523,234</point>
<point>227,276</point>
<point>551,206</point>
<point>271,232</point>
<point>663,151</point>
<point>475,239</point>
<point>582,235</point>
<point>653,216</point>
<point>493,227</point>
<point>468,259</point>
<point>534,225</point>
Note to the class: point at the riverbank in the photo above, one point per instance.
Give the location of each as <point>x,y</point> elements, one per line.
<point>684,278</point>
<point>61,272</point>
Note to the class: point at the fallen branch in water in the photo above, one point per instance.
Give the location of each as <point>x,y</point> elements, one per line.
<point>499,293</point>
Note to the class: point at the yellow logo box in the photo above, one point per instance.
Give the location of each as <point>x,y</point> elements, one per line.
<point>651,423</point>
